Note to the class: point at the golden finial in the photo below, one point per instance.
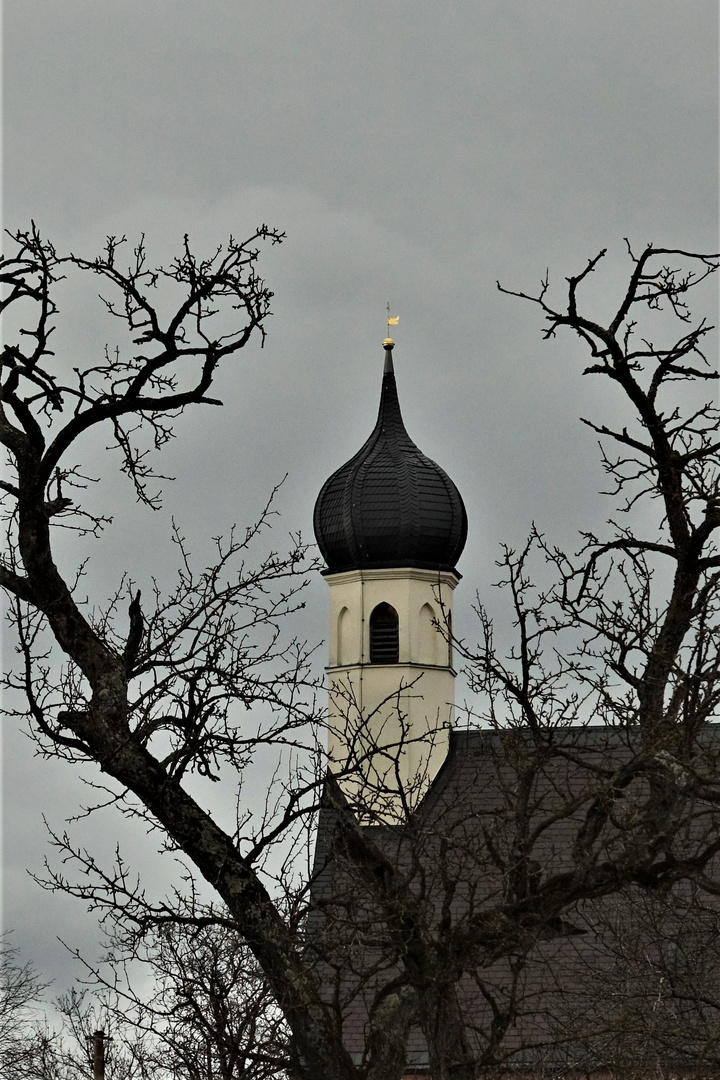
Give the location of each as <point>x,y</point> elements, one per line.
<point>392,320</point>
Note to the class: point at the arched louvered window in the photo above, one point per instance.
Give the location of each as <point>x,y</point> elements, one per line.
<point>384,648</point>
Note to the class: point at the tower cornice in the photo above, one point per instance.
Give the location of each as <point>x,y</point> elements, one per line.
<point>394,573</point>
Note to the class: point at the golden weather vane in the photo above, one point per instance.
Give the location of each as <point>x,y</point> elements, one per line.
<point>392,320</point>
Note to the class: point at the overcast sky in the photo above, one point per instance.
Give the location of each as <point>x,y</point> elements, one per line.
<point>413,152</point>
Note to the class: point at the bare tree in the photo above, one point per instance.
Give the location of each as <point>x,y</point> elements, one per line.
<point>197,1006</point>
<point>432,925</point>
<point>206,1013</point>
<point>597,770</point>
<point>21,991</point>
<point>171,695</point>
<point>30,1047</point>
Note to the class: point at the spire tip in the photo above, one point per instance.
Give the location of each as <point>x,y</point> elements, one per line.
<point>388,345</point>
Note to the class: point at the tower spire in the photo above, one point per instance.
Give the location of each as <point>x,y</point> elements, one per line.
<point>391,526</point>
<point>388,345</point>
<point>390,505</point>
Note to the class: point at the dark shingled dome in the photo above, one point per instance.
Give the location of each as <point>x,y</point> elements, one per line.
<point>389,505</point>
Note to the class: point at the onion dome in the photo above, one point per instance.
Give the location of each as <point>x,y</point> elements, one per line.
<point>389,505</point>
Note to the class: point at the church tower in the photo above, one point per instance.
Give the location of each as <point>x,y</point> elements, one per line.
<point>391,526</point>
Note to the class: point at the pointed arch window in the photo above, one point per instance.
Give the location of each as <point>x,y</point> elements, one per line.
<point>384,635</point>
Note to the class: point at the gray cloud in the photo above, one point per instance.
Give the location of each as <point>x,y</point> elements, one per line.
<point>413,152</point>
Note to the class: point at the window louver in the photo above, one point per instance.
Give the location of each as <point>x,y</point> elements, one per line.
<point>384,647</point>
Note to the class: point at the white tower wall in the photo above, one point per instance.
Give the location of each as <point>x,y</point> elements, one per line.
<point>388,722</point>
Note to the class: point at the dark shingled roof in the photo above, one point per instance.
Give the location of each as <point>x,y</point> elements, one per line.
<point>390,505</point>
<point>591,978</point>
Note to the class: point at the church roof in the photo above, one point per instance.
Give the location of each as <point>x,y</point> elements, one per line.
<point>587,977</point>
<point>390,505</point>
